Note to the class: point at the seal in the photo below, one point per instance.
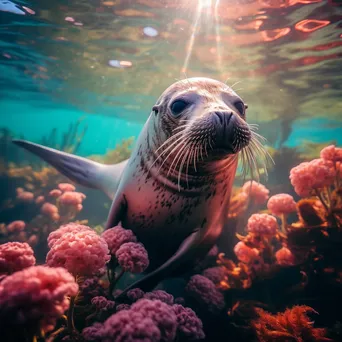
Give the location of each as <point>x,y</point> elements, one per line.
<point>174,190</point>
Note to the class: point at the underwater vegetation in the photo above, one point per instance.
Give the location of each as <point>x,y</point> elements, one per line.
<point>60,278</point>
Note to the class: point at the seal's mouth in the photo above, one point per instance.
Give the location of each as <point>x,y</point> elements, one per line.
<point>232,133</point>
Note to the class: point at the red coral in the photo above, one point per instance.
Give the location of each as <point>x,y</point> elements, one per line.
<point>285,257</point>
<point>291,325</point>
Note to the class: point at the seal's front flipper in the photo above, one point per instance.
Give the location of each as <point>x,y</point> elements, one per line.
<point>117,210</point>
<point>80,170</point>
<point>186,252</point>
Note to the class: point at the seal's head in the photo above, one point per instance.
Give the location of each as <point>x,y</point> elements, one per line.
<point>208,112</point>
<point>198,122</point>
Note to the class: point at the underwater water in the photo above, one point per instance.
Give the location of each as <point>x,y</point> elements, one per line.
<point>229,237</point>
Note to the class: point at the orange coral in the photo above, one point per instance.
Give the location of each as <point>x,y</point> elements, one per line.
<point>292,325</point>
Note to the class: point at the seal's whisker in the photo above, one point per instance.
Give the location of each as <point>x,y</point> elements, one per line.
<point>235,84</point>
<point>180,170</point>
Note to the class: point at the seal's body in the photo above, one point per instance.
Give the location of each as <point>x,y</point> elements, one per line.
<point>174,191</point>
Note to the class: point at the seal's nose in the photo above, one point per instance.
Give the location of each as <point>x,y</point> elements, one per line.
<point>232,132</point>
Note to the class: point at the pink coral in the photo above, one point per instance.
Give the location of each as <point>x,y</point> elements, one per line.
<point>71,198</point>
<point>25,196</point>
<point>332,153</point>
<point>93,333</point>
<point>135,294</point>
<point>66,187</point>
<point>281,204</point>
<point>205,292</point>
<point>132,257</point>
<point>55,193</point>
<point>40,200</point>
<point>310,176</point>
<point>160,295</point>
<point>16,226</point>
<point>285,257</point>
<point>35,297</point>
<point>117,236</point>
<point>81,253</point>
<point>66,228</point>
<point>244,253</point>
<point>262,225</point>
<point>257,192</point>
<point>50,210</point>
<point>190,327</point>
<point>15,256</point>
<point>161,314</point>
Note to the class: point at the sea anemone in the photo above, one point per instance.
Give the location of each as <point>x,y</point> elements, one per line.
<point>257,192</point>
<point>35,298</point>
<point>132,257</point>
<point>205,292</point>
<point>15,256</point>
<point>82,253</point>
<point>262,225</point>
<point>117,236</point>
<point>244,253</point>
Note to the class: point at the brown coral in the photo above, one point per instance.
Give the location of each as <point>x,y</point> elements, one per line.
<point>292,325</point>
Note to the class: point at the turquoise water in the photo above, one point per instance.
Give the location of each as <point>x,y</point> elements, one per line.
<point>59,61</point>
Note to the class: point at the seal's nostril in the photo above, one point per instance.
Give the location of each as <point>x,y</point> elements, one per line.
<point>220,117</point>
<point>223,117</point>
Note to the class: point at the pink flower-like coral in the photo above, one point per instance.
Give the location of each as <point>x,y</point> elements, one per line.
<point>82,253</point>
<point>66,228</point>
<point>71,198</point>
<point>132,257</point>
<point>55,193</point>
<point>244,253</point>
<point>309,176</point>
<point>117,236</point>
<point>50,210</point>
<point>332,153</point>
<point>40,200</point>
<point>262,225</point>
<point>190,327</point>
<point>285,257</point>
<point>66,187</point>
<point>281,204</point>
<point>257,192</point>
<point>135,294</point>
<point>15,256</point>
<point>35,297</point>
<point>161,314</point>
<point>25,196</point>
<point>16,226</point>
<point>102,303</point>
<point>205,292</point>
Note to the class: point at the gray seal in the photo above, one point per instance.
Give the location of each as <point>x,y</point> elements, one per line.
<point>174,190</point>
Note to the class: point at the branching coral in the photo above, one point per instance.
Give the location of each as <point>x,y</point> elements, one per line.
<point>291,325</point>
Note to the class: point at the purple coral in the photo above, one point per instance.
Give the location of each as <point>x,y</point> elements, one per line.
<point>124,326</point>
<point>102,303</point>
<point>121,307</point>
<point>90,288</point>
<point>132,257</point>
<point>161,314</point>
<point>189,325</point>
<point>204,291</point>
<point>160,295</point>
<point>117,236</point>
<point>215,274</point>
<point>135,294</point>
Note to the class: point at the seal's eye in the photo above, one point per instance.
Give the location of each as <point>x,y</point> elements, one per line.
<point>178,106</point>
<point>240,106</point>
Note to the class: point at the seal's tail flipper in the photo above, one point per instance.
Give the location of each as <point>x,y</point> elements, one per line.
<point>80,170</point>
